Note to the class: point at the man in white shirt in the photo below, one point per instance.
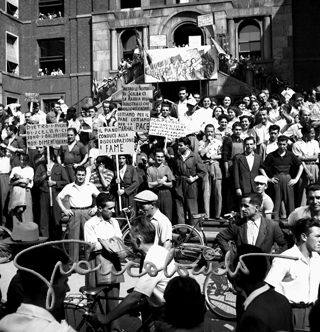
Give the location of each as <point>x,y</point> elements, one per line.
<point>147,201</point>
<point>298,280</point>
<point>182,103</point>
<point>33,315</point>
<point>41,116</point>
<point>262,129</point>
<point>261,183</point>
<point>80,194</point>
<point>271,144</point>
<point>105,227</point>
<point>150,288</point>
<point>210,150</point>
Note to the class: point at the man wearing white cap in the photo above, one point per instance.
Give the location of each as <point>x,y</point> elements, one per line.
<point>261,183</point>
<point>147,201</point>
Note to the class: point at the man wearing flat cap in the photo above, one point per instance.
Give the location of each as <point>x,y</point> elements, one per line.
<point>147,206</point>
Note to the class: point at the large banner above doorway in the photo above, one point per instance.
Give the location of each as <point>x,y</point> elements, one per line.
<point>182,64</point>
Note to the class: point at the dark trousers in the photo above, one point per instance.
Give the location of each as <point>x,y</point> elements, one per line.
<point>282,192</point>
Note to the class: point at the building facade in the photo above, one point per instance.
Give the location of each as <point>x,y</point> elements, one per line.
<point>86,39</point>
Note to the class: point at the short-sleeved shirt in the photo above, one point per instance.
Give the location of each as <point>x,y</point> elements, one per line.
<point>153,287</point>
<point>163,228</point>
<point>301,212</point>
<point>279,163</point>
<point>306,149</point>
<point>31,318</point>
<point>79,196</point>
<point>262,132</point>
<point>214,149</point>
<point>96,227</point>
<point>297,280</point>
<point>154,173</point>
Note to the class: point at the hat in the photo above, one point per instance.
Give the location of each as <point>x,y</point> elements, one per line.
<point>261,179</point>
<point>26,231</point>
<point>146,196</point>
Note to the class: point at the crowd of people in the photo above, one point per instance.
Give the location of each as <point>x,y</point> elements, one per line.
<point>258,156</point>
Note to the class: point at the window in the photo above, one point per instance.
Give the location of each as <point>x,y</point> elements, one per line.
<point>250,40</point>
<point>47,104</point>
<point>50,9</point>
<point>130,4</point>
<point>13,8</point>
<point>12,100</point>
<point>12,53</point>
<point>52,56</point>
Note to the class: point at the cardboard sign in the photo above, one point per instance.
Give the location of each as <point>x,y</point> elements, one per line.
<point>205,20</point>
<point>31,97</point>
<point>46,134</point>
<point>165,128</point>
<point>158,40</point>
<point>136,106</point>
<point>114,142</point>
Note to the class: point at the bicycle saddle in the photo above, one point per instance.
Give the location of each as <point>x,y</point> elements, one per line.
<point>88,290</point>
<point>198,216</point>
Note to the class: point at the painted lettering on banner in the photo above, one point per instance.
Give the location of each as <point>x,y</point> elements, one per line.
<point>165,128</point>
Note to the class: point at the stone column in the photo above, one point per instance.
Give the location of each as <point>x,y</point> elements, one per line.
<point>145,37</point>
<point>114,50</point>
<point>267,38</point>
<point>232,37</point>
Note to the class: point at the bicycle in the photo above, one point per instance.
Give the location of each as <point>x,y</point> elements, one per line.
<point>190,245</point>
<point>79,306</point>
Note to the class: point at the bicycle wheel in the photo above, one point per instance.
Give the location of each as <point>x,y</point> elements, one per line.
<point>75,309</point>
<point>219,293</point>
<point>187,241</point>
<point>5,250</point>
<point>131,255</point>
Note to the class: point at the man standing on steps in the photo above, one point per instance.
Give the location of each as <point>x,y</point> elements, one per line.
<point>82,206</point>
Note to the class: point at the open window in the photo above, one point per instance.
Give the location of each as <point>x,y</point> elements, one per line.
<point>250,40</point>
<point>51,9</point>
<point>52,56</point>
<point>12,8</point>
<point>12,53</point>
<point>130,4</point>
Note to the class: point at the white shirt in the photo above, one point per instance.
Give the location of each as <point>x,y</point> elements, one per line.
<point>26,173</point>
<point>96,227</point>
<point>253,230</point>
<point>215,147</point>
<point>182,108</point>
<point>163,228</point>
<point>271,146</point>
<point>262,132</point>
<point>79,196</point>
<point>255,294</point>
<point>306,149</point>
<point>41,116</point>
<point>250,160</point>
<point>153,287</point>
<point>31,318</point>
<point>301,212</point>
<point>297,280</point>
<point>5,166</point>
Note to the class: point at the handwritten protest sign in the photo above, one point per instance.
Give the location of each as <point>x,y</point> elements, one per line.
<point>205,20</point>
<point>114,142</point>
<point>33,97</point>
<point>136,106</point>
<point>165,128</point>
<point>46,134</point>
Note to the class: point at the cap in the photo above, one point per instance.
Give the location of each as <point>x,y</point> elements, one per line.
<point>261,179</point>
<point>146,196</point>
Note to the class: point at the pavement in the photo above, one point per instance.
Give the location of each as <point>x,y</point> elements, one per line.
<point>129,324</point>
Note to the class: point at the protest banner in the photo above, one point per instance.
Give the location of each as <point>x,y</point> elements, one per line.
<point>46,134</point>
<point>205,20</point>
<point>182,64</point>
<point>114,142</point>
<point>136,106</point>
<point>165,128</point>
